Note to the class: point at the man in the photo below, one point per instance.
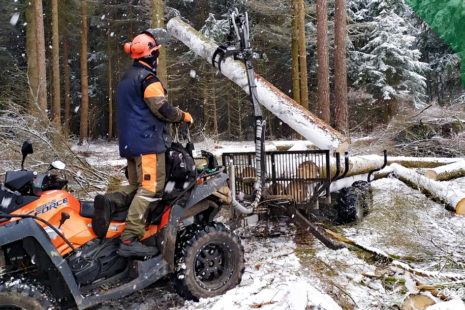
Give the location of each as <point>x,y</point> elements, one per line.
<point>143,116</point>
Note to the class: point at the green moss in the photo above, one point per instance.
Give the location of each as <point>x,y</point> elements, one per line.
<point>283,148</point>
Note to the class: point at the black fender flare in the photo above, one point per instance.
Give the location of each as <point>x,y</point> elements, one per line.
<point>198,194</point>
<point>28,228</point>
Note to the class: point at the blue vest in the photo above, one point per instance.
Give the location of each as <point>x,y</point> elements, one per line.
<point>140,132</point>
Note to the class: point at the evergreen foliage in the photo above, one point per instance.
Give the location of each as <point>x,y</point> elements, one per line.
<point>393,58</point>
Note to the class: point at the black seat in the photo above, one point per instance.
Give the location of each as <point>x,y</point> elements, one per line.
<point>87,211</point>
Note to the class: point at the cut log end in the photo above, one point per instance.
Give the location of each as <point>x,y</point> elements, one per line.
<point>430,174</point>
<point>460,208</point>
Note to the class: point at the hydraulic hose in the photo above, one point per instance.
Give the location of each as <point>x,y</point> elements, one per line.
<point>258,163</point>
<point>234,202</point>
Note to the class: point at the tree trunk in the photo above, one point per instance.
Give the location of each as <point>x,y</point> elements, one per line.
<point>454,198</point>
<point>365,163</point>
<point>40,51</point>
<point>206,106</point>
<point>229,111</point>
<point>56,106</point>
<point>31,51</point>
<point>340,68</point>
<point>110,88</point>
<point>158,22</point>
<point>447,172</point>
<point>286,109</point>
<point>214,108</point>
<point>84,124</point>
<point>66,83</point>
<point>323,107</point>
<point>295,52</point>
<point>303,56</point>
<point>239,117</point>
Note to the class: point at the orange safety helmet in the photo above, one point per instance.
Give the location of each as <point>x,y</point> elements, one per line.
<point>141,46</point>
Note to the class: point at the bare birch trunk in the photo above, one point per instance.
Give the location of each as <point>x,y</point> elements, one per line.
<point>323,107</point>
<point>303,56</point>
<point>56,103</point>
<point>447,172</point>
<point>295,52</point>
<point>453,197</point>
<point>31,51</point>
<point>286,109</point>
<point>84,125</point>
<point>40,50</point>
<point>365,163</point>
<point>340,68</point>
<point>158,22</point>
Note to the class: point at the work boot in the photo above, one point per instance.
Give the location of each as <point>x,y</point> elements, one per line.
<point>102,214</point>
<point>133,248</point>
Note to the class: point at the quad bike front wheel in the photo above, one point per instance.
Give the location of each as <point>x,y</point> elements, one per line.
<point>19,292</point>
<point>210,261</point>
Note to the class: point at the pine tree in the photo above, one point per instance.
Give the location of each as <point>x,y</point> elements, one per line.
<point>56,104</point>
<point>40,50</point>
<point>340,68</point>
<point>390,65</point>
<point>323,106</point>
<point>84,123</point>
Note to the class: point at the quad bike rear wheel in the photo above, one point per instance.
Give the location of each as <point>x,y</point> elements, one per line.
<point>210,261</point>
<point>19,292</point>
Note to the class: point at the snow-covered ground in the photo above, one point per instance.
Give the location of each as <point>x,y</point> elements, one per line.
<point>295,271</point>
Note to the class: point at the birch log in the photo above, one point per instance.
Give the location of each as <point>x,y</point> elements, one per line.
<point>286,109</point>
<point>447,172</point>
<point>453,197</point>
<point>365,163</point>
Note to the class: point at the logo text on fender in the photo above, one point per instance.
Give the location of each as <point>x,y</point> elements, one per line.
<point>54,204</point>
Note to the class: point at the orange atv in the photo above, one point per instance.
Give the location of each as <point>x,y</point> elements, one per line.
<point>50,256</point>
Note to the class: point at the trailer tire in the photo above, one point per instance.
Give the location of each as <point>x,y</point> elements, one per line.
<point>209,261</point>
<point>366,193</point>
<point>24,293</point>
<point>354,202</point>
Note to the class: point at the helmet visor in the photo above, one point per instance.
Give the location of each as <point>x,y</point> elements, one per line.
<point>160,35</point>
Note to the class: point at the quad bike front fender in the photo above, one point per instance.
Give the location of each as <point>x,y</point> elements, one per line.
<point>27,229</point>
<point>216,186</point>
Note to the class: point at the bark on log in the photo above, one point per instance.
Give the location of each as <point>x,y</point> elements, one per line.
<point>365,163</point>
<point>283,107</point>
<point>447,172</point>
<point>453,197</point>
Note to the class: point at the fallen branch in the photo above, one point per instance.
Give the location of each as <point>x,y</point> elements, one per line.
<point>393,259</point>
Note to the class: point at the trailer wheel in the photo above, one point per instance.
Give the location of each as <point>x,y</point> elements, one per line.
<point>364,188</point>
<point>354,202</point>
<point>209,261</point>
<point>22,293</point>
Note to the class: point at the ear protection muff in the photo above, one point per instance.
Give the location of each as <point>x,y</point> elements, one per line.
<point>127,47</point>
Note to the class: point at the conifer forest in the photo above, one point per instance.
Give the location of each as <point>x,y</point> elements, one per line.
<point>356,71</point>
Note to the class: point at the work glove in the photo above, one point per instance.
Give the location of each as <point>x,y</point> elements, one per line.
<point>188,118</point>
